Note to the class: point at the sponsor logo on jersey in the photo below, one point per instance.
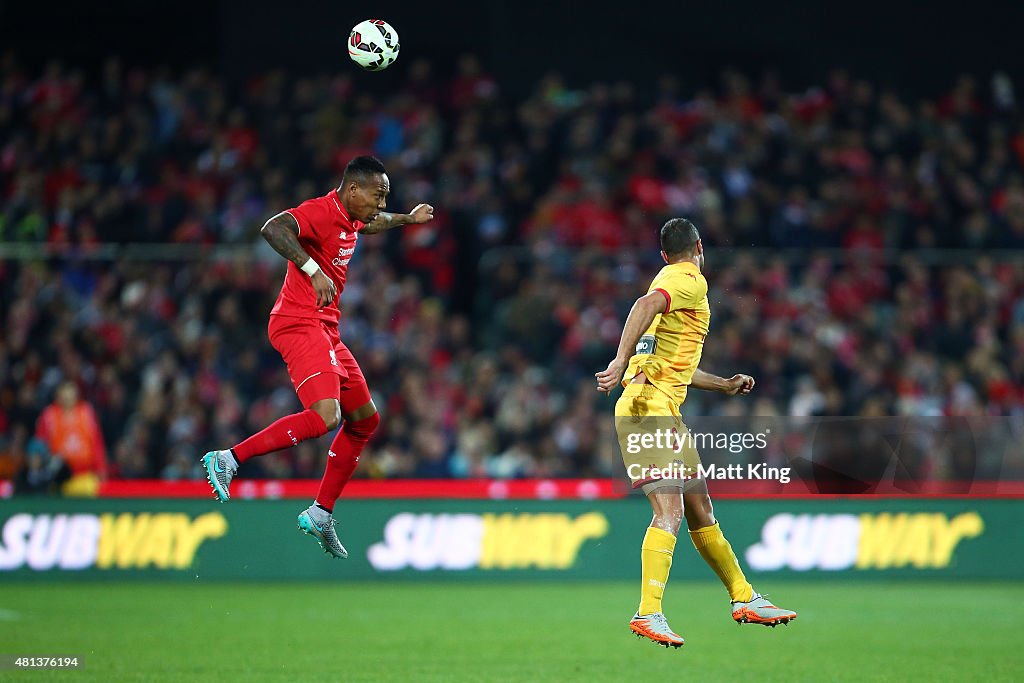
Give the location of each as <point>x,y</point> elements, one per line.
<point>647,344</point>
<point>344,256</point>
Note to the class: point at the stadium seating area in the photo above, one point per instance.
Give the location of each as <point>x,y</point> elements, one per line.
<point>836,221</point>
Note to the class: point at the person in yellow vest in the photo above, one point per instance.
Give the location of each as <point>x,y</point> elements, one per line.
<point>656,363</point>
<point>70,430</point>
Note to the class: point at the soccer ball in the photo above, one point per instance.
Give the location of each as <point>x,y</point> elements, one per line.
<point>373,44</point>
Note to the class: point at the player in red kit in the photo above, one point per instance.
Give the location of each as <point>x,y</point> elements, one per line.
<point>318,238</point>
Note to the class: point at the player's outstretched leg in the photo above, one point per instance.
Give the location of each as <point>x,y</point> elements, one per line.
<point>221,466</point>
<point>220,470</point>
<point>319,524</point>
<point>655,565</point>
<point>758,610</point>
<point>748,607</point>
<point>341,462</point>
<point>290,430</point>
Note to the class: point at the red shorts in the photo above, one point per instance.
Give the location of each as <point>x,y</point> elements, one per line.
<point>319,365</point>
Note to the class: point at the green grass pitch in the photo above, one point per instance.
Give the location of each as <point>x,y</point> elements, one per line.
<point>548,631</point>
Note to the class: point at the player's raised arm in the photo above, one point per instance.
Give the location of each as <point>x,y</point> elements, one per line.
<point>737,384</point>
<point>385,221</point>
<point>639,319</point>
<point>282,233</point>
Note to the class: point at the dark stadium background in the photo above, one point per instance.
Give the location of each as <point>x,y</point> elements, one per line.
<point>913,45</point>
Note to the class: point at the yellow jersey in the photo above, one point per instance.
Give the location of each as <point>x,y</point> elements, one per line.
<point>669,351</point>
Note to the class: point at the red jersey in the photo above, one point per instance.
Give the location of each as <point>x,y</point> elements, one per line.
<point>329,236</point>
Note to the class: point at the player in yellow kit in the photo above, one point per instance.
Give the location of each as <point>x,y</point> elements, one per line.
<point>656,363</point>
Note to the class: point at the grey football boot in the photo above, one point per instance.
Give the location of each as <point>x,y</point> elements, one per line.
<point>220,470</point>
<point>759,611</point>
<point>319,524</point>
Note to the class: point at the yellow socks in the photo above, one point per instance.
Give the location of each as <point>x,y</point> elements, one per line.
<point>655,563</point>
<point>717,552</point>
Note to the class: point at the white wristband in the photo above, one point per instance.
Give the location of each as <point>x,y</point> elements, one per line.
<point>310,267</point>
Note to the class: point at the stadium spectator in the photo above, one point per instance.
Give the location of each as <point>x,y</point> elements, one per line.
<point>69,430</point>
<point>477,331</point>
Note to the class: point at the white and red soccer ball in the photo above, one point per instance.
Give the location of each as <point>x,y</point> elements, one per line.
<point>373,44</point>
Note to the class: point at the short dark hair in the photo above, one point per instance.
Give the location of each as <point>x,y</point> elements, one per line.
<point>361,169</point>
<point>679,237</point>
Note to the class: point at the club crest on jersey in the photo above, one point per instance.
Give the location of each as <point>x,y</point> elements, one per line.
<point>343,235</point>
<point>334,359</point>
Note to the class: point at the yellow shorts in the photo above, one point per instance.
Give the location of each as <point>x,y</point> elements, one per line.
<point>655,443</point>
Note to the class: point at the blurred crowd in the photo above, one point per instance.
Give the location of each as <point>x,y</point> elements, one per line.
<point>830,216</point>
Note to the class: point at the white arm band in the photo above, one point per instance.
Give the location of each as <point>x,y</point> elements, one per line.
<point>310,267</point>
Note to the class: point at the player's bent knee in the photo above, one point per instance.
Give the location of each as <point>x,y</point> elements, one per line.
<point>363,428</point>
<point>332,419</point>
<point>362,412</point>
<point>695,522</point>
<point>668,510</point>
<point>699,511</point>
<point>329,411</point>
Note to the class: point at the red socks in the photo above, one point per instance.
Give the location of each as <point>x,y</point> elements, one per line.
<point>343,457</point>
<point>288,431</point>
